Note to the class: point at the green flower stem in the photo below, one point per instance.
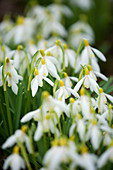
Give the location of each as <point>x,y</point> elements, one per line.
<point>8,113</point>
<point>76,57</point>
<point>63,66</point>
<point>55,87</point>
<point>24,154</point>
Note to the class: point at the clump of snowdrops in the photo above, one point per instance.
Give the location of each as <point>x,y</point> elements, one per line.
<point>56,111</point>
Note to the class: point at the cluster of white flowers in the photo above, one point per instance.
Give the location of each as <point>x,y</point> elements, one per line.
<point>76,117</point>
<point>84,103</point>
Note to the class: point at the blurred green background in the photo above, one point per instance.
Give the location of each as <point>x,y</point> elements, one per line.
<point>99,16</point>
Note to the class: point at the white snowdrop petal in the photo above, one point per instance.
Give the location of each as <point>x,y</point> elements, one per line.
<point>48,81</point>
<point>101,76</point>
<point>99,54</point>
<point>9,142</point>
<point>38,132</point>
<point>78,85</point>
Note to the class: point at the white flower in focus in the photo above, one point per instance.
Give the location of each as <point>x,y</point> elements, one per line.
<point>14,160</point>
<point>88,56</point>
<point>88,82</point>
<point>102,100</point>
<point>12,76</point>
<point>19,135</point>
<point>37,81</point>
<point>46,66</point>
<point>93,74</point>
<point>69,56</point>
<point>64,92</point>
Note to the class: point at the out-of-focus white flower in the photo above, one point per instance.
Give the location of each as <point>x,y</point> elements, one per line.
<point>64,92</point>
<point>88,56</point>
<point>22,32</point>
<point>59,10</point>
<point>107,155</point>
<point>88,82</point>
<point>78,31</point>
<point>88,161</point>
<point>94,134</point>
<point>84,5</point>
<point>4,49</point>
<point>80,127</point>
<point>63,151</point>
<point>19,135</point>
<point>14,160</point>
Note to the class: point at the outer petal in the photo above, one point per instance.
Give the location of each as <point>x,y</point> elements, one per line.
<point>14,87</point>
<point>78,85</point>
<point>101,76</point>
<point>7,162</point>
<point>104,157</point>
<point>39,132</point>
<point>52,69</point>
<point>48,81</point>
<point>30,115</point>
<point>34,86</point>
<point>9,142</point>
<point>109,97</point>
<point>99,54</point>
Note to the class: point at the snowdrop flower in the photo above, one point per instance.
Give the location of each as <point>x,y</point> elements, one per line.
<point>78,31</point>
<point>107,155</point>
<point>57,52</point>
<point>88,160</point>
<point>12,78</point>
<point>74,107</point>
<point>93,74</point>
<point>102,100</point>
<point>56,28</point>
<point>80,127</point>
<point>85,104</point>
<point>63,151</point>
<point>47,67</point>
<point>69,56</point>
<point>67,80</point>
<point>4,49</point>
<point>88,56</point>
<point>64,92</point>
<point>19,135</point>
<point>88,82</point>
<point>84,5</point>
<point>47,123</point>
<point>58,10</point>
<point>14,160</point>
<point>94,134</point>
<point>12,82</point>
<point>22,32</point>
<point>37,81</point>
